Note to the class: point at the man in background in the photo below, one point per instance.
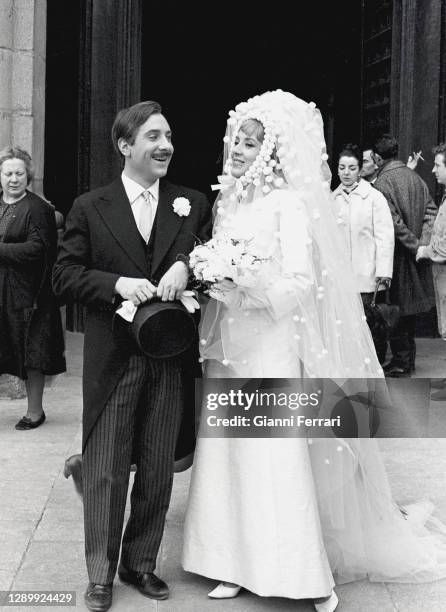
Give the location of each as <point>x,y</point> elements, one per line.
<point>435,251</point>
<point>369,170</point>
<point>413,213</point>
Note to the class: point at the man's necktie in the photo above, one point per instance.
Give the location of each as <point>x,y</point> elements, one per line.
<point>145,219</point>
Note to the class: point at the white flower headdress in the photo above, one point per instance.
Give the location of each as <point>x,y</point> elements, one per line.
<point>335,340</point>
<point>286,121</point>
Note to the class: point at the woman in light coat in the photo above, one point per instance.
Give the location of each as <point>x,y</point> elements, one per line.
<point>364,218</point>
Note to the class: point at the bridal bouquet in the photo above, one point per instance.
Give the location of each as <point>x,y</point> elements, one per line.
<point>226,258</point>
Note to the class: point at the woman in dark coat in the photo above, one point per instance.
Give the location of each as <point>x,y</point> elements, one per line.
<point>31,336</point>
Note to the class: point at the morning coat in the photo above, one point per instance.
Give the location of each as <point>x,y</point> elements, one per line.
<point>102,243</point>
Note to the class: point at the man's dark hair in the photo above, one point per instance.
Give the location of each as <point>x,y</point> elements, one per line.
<point>440,149</point>
<point>351,150</point>
<point>386,147</point>
<point>128,121</point>
<point>368,146</point>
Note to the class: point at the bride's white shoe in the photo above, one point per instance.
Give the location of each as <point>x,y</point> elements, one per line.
<point>328,604</point>
<point>222,591</point>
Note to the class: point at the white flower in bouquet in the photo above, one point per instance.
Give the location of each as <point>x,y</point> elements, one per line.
<point>206,263</point>
<point>226,258</point>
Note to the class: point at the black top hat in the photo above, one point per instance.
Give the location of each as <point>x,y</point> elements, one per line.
<point>160,329</point>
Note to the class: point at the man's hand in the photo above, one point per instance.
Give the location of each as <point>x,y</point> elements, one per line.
<point>137,290</point>
<point>383,281</point>
<point>412,161</point>
<point>173,283</point>
<point>421,253</point>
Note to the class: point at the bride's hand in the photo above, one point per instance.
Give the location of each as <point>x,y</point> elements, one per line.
<point>223,291</point>
<point>225,284</point>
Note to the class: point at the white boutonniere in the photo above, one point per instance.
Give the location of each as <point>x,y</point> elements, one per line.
<point>181,206</point>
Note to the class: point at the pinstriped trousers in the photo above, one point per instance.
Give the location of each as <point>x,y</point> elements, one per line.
<point>140,420</point>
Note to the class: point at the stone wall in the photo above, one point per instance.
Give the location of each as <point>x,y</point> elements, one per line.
<point>22,75</point>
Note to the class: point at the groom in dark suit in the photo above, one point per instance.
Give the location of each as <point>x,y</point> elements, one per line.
<point>129,241</point>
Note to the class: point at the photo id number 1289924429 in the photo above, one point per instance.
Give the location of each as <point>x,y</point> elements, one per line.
<point>38,598</point>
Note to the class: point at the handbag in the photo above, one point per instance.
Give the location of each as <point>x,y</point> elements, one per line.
<point>385,311</point>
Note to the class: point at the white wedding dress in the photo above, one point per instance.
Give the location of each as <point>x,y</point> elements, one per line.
<point>252,515</point>
<point>281,516</point>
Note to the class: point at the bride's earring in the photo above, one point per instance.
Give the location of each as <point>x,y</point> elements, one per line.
<point>223,591</point>
<point>328,604</point>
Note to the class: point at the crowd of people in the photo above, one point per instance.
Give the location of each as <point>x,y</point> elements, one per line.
<point>326,257</point>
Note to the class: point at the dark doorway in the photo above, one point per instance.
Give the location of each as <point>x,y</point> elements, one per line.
<point>200,62</point>
<point>61,103</point>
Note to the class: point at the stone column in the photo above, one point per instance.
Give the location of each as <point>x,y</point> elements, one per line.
<point>22,75</point>
<point>22,96</point>
<point>417,80</point>
<point>110,79</point>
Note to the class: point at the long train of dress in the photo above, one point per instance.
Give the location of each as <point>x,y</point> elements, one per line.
<point>280,516</point>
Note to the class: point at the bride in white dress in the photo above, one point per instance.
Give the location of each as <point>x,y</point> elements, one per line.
<point>290,517</point>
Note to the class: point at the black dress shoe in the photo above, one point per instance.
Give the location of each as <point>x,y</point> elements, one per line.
<point>26,423</point>
<point>73,467</point>
<point>148,584</point>
<point>396,372</point>
<point>388,366</point>
<point>98,597</point>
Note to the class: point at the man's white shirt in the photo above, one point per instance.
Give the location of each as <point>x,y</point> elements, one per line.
<point>143,206</point>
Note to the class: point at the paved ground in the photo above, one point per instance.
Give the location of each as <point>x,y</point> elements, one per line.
<point>41,532</point>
